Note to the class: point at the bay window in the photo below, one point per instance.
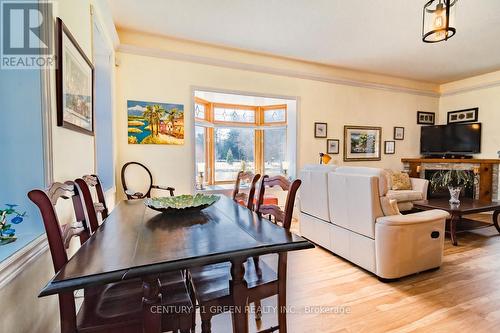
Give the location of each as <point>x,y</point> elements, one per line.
<point>234,137</point>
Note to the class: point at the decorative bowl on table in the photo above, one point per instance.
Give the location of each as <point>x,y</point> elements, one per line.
<point>181,203</point>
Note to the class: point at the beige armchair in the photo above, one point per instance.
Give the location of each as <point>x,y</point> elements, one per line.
<point>405,198</point>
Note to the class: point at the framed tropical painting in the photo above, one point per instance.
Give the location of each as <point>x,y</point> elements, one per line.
<point>155,123</point>
<point>362,143</point>
<point>74,84</point>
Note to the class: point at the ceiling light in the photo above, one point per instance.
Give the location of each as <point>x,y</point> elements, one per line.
<point>438,20</point>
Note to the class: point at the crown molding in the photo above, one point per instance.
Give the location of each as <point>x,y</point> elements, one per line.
<point>159,53</point>
<point>462,90</point>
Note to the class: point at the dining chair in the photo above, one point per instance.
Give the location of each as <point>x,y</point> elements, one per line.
<point>211,283</point>
<point>111,308</point>
<point>131,194</point>
<point>100,206</point>
<point>243,198</point>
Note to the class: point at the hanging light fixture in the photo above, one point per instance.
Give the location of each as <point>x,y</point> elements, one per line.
<point>438,20</point>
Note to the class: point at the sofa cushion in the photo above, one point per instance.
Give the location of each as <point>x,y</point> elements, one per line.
<point>401,181</point>
<point>381,174</point>
<point>404,195</point>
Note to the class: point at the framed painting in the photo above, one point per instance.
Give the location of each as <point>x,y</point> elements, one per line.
<point>463,116</point>
<point>362,143</point>
<point>389,147</point>
<point>155,123</point>
<point>74,84</point>
<point>332,146</point>
<point>320,130</point>
<point>426,118</point>
<point>399,133</point>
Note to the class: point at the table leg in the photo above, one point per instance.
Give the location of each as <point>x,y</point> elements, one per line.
<point>151,305</point>
<point>238,287</point>
<point>453,228</point>
<point>495,220</point>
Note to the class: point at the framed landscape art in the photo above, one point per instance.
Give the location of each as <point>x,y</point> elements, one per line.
<point>155,123</point>
<point>74,84</point>
<point>362,143</point>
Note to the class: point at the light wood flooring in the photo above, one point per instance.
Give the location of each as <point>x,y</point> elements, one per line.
<point>462,296</point>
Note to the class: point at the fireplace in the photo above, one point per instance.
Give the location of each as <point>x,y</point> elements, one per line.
<point>444,193</point>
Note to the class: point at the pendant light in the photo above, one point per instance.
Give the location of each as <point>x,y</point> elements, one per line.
<point>438,20</point>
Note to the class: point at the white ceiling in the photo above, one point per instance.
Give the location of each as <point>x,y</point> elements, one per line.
<point>379,36</point>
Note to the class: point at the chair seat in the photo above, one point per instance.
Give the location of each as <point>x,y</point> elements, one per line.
<point>212,281</point>
<point>118,306</point>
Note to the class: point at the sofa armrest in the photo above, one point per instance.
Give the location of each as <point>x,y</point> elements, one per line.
<point>420,185</point>
<point>415,218</point>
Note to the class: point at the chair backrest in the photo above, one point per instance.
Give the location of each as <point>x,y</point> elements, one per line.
<point>280,215</point>
<point>354,198</point>
<point>100,206</point>
<point>91,208</point>
<point>59,237</point>
<point>238,196</point>
<point>129,192</point>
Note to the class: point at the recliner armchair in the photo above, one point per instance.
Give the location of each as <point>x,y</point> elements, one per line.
<point>357,229</point>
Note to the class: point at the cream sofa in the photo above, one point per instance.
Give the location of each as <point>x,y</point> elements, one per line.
<point>405,198</point>
<point>341,211</point>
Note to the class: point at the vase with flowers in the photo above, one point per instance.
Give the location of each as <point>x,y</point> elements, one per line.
<point>7,232</point>
<point>454,180</point>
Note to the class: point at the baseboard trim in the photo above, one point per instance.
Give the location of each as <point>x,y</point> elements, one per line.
<point>11,267</point>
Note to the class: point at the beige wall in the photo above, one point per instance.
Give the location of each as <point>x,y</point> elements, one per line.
<point>481,91</point>
<point>164,80</point>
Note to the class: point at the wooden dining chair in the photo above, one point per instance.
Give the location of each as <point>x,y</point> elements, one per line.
<point>211,283</point>
<point>100,206</point>
<point>243,198</point>
<point>131,194</point>
<point>111,308</point>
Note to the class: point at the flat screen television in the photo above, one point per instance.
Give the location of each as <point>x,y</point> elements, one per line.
<point>451,139</point>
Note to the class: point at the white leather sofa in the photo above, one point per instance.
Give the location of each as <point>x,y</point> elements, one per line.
<point>341,211</point>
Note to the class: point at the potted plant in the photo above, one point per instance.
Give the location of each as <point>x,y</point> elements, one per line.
<point>454,180</point>
<point>7,233</point>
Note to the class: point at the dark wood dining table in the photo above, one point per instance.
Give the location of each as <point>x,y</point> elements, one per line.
<point>138,242</point>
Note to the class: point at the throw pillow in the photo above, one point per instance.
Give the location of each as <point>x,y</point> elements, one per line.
<point>389,206</point>
<point>401,181</point>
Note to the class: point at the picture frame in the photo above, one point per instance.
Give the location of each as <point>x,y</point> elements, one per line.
<point>362,143</point>
<point>332,146</point>
<point>320,130</point>
<point>463,116</point>
<point>399,133</point>
<point>74,83</point>
<point>389,147</point>
<point>426,118</point>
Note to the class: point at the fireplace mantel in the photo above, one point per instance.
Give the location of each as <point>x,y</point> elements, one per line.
<point>486,169</point>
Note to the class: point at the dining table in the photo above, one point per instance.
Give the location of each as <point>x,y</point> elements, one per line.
<point>136,241</point>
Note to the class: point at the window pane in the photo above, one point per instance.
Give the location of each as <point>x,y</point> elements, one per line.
<point>200,148</point>
<point>234,115</point>
<point>275,116</point>
<point>234,151</point>
<point>274,150</point>
<point>199,111</point>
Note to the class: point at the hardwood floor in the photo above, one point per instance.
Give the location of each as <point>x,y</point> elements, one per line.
<point>462,296</point>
